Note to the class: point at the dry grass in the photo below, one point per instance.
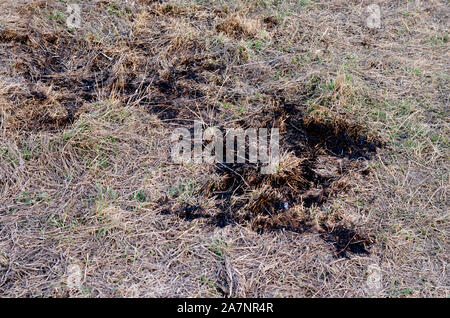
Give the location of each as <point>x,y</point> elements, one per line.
<point>85,176</point>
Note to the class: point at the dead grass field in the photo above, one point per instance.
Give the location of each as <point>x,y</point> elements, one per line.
<point>86,177</point>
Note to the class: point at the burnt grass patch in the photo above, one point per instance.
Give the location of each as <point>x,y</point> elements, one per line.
<point>57,72</point>
<point>318,153</point>
<point>179,93</point>
<point>65,72</point>
<point>319,150</point>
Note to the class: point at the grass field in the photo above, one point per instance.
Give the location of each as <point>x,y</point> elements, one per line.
<point>91,204</point>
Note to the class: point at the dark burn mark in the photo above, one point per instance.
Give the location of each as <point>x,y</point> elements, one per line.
<point>62,64</point>
<point>271,22</point>
<point>338,144</point>
<point>190,212</point>
<point>323,152</point>
<point>78,68</point>
<point>347,240</point>
<point>39,96</point>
